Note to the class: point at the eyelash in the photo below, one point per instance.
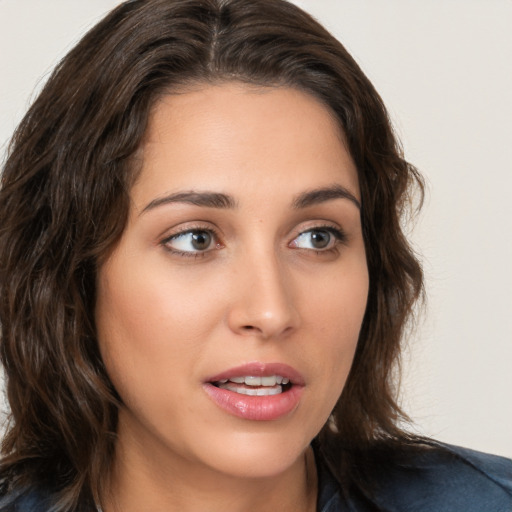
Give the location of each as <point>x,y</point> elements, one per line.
<point>337,233</point>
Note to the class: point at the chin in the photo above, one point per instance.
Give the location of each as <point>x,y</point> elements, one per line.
<point>255,455</point>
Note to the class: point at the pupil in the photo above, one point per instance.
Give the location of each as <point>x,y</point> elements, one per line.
<point>201,240</point>
<point>320,239</point>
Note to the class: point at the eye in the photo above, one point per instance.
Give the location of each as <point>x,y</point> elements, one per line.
<point>318,239</point>
<point>191,242</point>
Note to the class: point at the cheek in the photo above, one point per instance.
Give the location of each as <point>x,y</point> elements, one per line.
<point>151,305</point>
<point>336,315</point>
<point>337,303</point>
<point>151,326</point>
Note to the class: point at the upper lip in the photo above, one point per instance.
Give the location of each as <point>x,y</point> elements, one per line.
<point>259,369</point>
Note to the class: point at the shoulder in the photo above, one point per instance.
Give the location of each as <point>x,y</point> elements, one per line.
<point>25,501</point>
<point>437,477</point>
<point>447,478</point>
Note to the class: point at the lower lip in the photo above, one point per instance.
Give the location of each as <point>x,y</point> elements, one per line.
<point>256,408</point>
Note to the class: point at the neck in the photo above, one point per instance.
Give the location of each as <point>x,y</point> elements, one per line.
<point>142,482</point>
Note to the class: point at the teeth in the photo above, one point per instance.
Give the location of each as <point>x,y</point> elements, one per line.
<point>253,381</point>
<point>271,380</point>
<point>249,380</point>
<point>254,386</point>
<point>269,391</point>
<point>266,391</point>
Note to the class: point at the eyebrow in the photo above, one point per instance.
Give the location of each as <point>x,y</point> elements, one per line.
<point>321,195</point>
<point>225,201</point>
<point>208,199</point>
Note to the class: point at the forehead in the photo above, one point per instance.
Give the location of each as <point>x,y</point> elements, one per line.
<point>235,136</point>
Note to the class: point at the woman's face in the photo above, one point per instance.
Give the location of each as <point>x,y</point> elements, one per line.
<point>242,266</point>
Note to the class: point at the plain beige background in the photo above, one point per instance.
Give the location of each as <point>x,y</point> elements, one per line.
<point>444,69</point>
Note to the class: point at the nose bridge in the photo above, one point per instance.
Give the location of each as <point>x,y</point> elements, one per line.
<point>264,303</point>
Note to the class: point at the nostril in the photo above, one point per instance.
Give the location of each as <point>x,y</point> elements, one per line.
<point>248,328</point>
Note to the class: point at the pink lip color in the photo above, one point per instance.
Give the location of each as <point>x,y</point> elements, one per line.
<point>257,408</point>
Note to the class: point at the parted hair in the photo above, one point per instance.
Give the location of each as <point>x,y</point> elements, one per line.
<point>64,200</point>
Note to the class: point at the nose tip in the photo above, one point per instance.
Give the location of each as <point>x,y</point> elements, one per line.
<point>264,306</point>
<point>268,326</point>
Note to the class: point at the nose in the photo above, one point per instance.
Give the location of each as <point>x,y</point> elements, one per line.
<point>264,302</point>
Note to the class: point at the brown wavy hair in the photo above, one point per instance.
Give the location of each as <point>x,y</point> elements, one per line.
<point>64,200</point>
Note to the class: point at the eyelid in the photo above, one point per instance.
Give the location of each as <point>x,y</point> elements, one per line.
<point>333,228</point>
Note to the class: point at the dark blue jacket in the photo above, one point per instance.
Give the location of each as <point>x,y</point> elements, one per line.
<point>451,479</point>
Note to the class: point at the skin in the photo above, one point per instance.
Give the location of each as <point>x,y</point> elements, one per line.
<point>260,292</point>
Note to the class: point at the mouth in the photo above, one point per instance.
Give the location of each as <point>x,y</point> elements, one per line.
<point>252,385</point>
<point>257,391</point>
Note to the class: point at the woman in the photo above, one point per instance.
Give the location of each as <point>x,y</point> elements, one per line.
<point>204,282</point>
